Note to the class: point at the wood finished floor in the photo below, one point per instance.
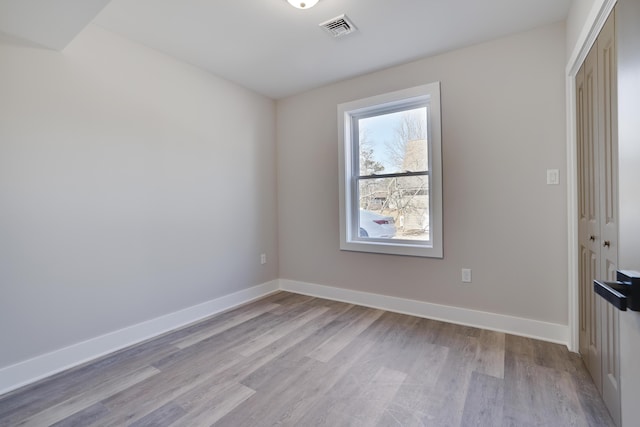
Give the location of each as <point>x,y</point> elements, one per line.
<point>294,360</point>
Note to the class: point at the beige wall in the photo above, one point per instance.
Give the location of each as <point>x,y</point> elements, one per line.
<point>131,186</point>
<point>503,112</point>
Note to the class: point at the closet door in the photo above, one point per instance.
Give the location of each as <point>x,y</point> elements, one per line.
<point>608,190</point>
<point>583,235</point>
<point>597,138</point>
<point>589,221</point>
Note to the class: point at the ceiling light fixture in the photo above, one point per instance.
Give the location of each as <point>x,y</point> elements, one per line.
<point>303,4</point>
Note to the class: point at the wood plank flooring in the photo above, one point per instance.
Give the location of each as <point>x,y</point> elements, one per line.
<point>293,360</point>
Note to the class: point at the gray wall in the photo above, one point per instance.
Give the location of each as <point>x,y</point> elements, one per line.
<point>131,186</point>
<point>503,112</point>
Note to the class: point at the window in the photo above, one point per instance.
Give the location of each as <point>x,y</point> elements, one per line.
<point>391,173</point>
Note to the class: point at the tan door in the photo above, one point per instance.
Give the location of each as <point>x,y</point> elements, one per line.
<point>597,139</point>
<point>589,220</point>
<point>583,244</point>
<point>608,190</point>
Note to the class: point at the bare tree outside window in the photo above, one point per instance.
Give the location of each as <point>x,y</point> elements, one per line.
<point>394,147</point>
<point>411,126</point>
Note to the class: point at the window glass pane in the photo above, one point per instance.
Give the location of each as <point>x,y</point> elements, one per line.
<point>393,142</point>
<point>395,208</point>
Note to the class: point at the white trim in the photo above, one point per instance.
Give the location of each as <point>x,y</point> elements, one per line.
<point>546,331</point>
<point>429,94</point>
<point>593,24</point>
<point>39,367</point>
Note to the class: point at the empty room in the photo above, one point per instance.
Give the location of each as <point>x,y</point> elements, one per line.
<point>319,213</point>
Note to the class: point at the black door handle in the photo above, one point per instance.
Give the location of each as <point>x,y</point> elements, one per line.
<point>623,293</point>
<point>610,291</point>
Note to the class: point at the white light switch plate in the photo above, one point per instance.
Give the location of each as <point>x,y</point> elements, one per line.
<point>466,275</point>
<point>553,176</point>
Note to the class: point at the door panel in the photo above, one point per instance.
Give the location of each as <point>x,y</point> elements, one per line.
<point>594,350</point>
<point>591,238</point>
<point>583,233</point>
<point>608,189</point>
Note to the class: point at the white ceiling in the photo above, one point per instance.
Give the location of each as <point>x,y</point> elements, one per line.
<point>46,23</point>
<point>277,50</point>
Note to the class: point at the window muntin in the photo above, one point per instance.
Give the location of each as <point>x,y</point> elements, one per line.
<point>390,194</point>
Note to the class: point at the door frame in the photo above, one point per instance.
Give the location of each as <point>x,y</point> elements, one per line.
<point>592,26</point>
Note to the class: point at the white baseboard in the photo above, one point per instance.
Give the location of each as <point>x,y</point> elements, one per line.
<point>39,367</point>
<point>545,331</point>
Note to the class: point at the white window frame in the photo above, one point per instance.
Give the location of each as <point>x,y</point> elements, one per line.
<point>428,94</point>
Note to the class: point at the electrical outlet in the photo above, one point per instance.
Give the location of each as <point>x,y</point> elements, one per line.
<point>263,259</point>
<point>466,275</point>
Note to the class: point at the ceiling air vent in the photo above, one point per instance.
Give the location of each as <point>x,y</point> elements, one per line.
<point>339,26</point>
